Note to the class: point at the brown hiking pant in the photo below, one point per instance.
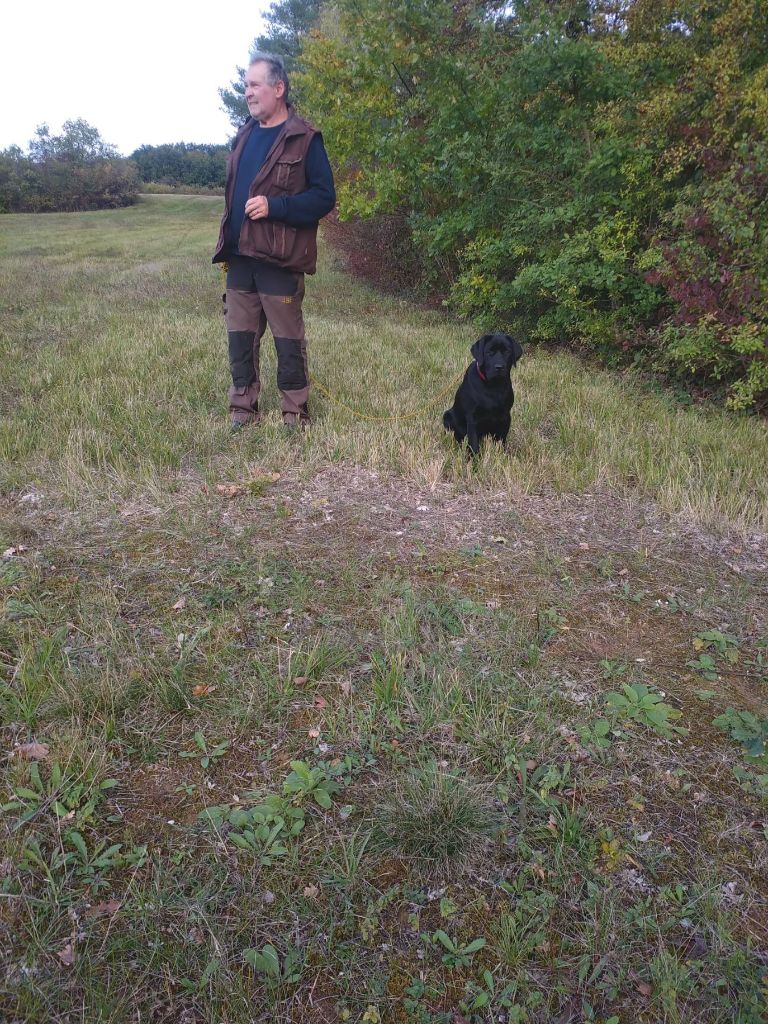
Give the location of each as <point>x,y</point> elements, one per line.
<point>259,294</point>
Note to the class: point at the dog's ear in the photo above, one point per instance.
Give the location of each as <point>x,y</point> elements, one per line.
<point>516,349</point>
<point>479,345</point>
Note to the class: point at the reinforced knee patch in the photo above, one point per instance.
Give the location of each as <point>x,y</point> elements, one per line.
<point>291,375</point>
<point>241,357</point>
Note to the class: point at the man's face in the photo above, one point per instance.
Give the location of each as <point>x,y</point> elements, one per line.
<point>264,100</point>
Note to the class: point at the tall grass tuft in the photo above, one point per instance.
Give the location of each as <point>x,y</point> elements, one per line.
<point>437,821</point>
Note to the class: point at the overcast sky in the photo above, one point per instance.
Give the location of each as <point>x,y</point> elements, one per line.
<point>140,72</point>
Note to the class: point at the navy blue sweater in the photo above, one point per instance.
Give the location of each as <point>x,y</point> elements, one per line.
<point>299,211</point>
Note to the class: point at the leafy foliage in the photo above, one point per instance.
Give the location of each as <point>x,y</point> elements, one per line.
<point>751,731</point>
<point>638,703</point>
<point>310,783</point>
<point>577,173</point>
<point>182,163</point>
<point>76,170</point>
<point>261,830</point>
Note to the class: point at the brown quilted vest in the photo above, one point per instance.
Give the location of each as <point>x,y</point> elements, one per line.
<point>283,173</point>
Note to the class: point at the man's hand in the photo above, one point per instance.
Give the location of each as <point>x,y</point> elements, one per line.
<point>257,207</point>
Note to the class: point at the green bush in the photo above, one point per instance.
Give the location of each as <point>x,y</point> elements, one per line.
<point>577,175</point>
<point>76,170</point>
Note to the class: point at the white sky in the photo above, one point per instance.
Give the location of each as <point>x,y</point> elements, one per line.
<point>140,72</point>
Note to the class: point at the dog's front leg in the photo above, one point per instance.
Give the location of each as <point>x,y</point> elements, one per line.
<point>473,436</point>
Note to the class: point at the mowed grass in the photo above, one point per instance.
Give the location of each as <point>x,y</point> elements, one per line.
<point>114,363</point>
<point>345,727</point>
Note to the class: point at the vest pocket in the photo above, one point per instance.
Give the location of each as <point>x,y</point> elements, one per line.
<point>286,171</point>
<point>282,237</point>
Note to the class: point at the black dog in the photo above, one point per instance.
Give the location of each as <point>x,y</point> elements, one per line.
<point>485,397</point>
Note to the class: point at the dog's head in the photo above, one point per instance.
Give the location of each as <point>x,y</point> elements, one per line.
<point>496,354</point>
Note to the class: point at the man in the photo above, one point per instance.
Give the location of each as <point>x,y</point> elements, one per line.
<point>279,185</point>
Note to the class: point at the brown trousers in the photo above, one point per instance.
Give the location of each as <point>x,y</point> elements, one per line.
<point>258,295</point>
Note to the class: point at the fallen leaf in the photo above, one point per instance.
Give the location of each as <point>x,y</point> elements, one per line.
<point>110,907</point>
<point>300,680</point>
<point>17,549</point>
<point>181,603</point>
<point>67,955</point>
<point>538,870</point>
<point>530,766</point>
<point>320,702</point>
<point>310,891</point>
<point>202,690</point>
<point>274,477</point>
<point>345,686</point>
<point>644,988</point>
<point>230,490</point>
<point>313,734</point>
<point>32,751</point>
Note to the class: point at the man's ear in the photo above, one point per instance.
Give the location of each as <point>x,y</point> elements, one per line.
<point>479,345</point>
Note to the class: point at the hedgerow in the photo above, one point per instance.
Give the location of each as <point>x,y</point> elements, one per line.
<point>580,172</point>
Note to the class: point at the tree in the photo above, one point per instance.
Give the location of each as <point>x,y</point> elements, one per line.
<point>581,171</point>
<point>288,21</point>
<point>78,143</point>
<point>76,170</point>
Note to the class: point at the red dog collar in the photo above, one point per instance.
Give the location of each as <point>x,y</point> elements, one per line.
<point>479,371</point>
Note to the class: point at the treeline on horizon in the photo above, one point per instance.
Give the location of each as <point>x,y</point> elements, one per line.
<point>585,173</point>
<point>78,170</point>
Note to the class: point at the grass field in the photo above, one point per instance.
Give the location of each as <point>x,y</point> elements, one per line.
<point>344,727</point>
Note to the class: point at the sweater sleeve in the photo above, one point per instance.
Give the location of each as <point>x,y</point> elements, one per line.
<point>308,207</point>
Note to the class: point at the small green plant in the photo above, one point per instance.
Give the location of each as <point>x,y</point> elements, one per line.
<point>306,783</point>
<point>261,830</point>
<point>92,866</point>
<point>487,994</point>
<point>89,867</point>
<point>752,782</point>
<point>75,800</point>
<point>628,594</point>
<point>448,908</point>
<point>638,703</point>
<point>456,954</point>
<point>548,624</point>
<point>267,962</point>
<point>705,666</point>
<point>210,755</point>
<point>705,695</point>
<point>597,735</point>
<point>751,731</point>
<point>199,985</point>
<point>613,668</point>
<point>724,644</point>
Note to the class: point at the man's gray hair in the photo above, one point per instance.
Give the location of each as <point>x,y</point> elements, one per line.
<point>275,68</point>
